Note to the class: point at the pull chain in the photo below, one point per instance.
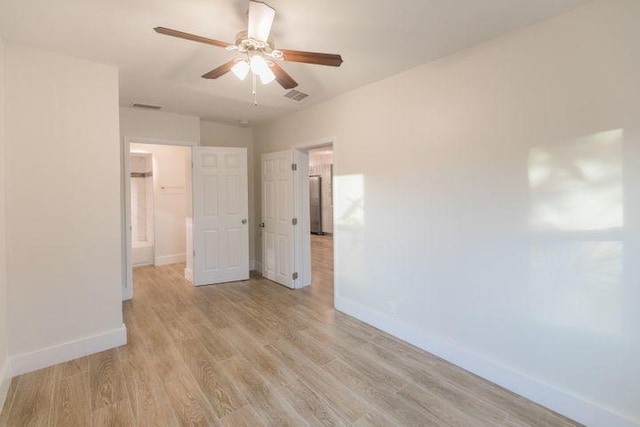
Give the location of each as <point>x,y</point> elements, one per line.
<point>254,93</point>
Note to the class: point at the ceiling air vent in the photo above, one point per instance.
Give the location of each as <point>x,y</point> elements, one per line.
<point>146,106</point>
<point>295,96</point>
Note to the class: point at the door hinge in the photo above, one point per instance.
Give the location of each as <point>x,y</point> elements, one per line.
<point>294,167</point>
<point>294,276</point>
<point>294,221</point>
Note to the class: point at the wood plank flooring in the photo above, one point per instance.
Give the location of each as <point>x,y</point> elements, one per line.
<point>255,353</point>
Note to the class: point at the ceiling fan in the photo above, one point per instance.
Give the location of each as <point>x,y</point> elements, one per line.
<point>257,51</point>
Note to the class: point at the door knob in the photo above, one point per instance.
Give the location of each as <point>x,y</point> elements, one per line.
<point>244,221</point>
<point>261,225</point>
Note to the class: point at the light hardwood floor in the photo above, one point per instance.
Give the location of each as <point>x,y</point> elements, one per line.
<point>255,353</point>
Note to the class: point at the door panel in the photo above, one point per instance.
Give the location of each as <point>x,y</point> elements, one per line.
<point>210,187</point>
<point>220,213</point>
<point>277,215</point>
<point>211,245</point>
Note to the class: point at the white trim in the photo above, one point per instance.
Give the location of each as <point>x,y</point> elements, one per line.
<point>188,274</point>
<point>5,381</point>
<point>127,294</point>
<point>170,259</point>
<point>563,402</point>
<point>158,141</point>
<point>29,362</point>
<point>127,279</point>
<point>316,143</point>
<point>142,263</point>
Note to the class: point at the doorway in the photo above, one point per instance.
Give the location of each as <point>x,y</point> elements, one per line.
<point>200,195</point>
<point>161,223</point>
<point>160,203</point>
<point>321,216</point>
<point>142,212</point>
<point>291,254</point>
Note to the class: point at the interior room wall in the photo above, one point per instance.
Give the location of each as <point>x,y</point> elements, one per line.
<point>4,353</point>
<point>487,208</point>
<point>139,123</point>
<point>170,200</point>
<point>62,208</point>
<point>321,163</point>
<point>225,135</point>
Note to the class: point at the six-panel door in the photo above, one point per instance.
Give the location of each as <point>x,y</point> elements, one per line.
<point>220,215</point>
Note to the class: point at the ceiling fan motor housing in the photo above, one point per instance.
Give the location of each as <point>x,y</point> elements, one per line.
<point>250,46</point>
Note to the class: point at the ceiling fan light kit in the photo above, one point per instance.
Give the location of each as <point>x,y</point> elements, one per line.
<point>257,51</point>
<point>241,69</point>
<point>259,67</point>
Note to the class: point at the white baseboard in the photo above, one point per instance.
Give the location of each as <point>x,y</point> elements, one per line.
<point>563,402</point>
<point>127,294</point>
<point>170,259</point>
<point>141,263</point>
<point>188,274</point>
<point>5,380</point>
<point>29,362</point>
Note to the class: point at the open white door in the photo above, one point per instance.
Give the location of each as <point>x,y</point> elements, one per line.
<point>278,223</point>
<point>302,248</point>
<point>220,213</point>
<point>127,289</point>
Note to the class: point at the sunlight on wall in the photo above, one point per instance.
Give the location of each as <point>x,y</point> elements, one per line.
<point>349,217</point>
<point>349,200</point>
<point>577,186</point>
<point>576,192</point>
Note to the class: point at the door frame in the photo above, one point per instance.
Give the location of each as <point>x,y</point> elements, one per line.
<point>302,252</point>
<point>127,267</point>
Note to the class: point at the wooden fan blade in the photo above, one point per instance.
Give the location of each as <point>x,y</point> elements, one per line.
<point>285,80</point>
<point>220,71</point>
<point>312,57</point>
<point>192,37</point>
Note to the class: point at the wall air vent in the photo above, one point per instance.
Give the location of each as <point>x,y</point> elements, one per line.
<point>146,106</point>
<point>295,96</point>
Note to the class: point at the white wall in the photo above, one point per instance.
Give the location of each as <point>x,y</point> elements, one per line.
<point>62,208</point>
<point>487,208</point>
<point>170,200</point>
<point>4,353</point>
<point>223,135</point>
<point>159,125</point>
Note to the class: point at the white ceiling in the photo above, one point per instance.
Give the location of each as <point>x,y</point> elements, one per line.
<point>376,38</point>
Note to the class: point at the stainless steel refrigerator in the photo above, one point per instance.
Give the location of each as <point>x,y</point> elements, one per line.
<point>315,200</point>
